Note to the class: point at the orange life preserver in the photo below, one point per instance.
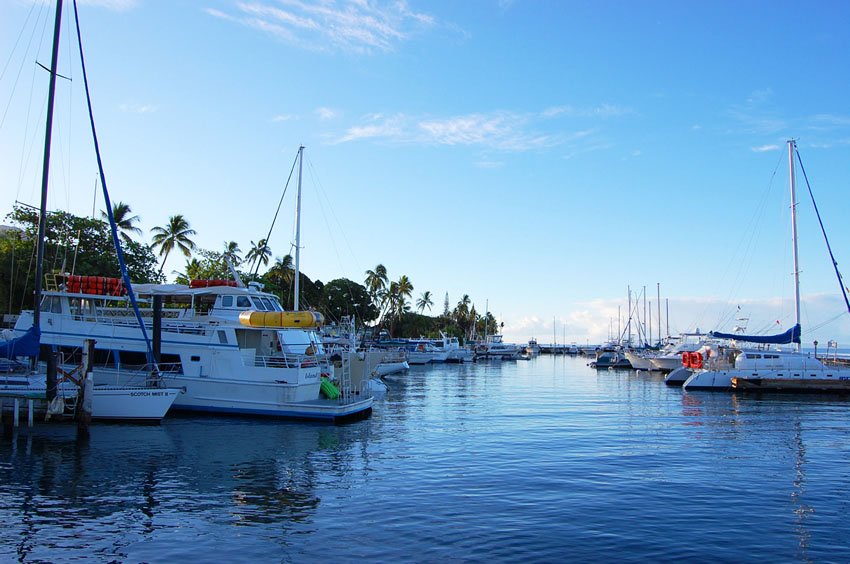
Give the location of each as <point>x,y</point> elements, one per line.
<point>421,347</point>
<point>686,359</point>
<point>696,360</point>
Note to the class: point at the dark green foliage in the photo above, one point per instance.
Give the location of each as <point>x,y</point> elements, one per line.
<point>345,297</point>
<point>78,245</point>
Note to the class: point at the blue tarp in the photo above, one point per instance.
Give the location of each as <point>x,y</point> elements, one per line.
<point>792,335</point>
<point>25,345</point>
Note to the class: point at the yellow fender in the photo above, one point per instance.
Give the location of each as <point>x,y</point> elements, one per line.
<point>305,319</point>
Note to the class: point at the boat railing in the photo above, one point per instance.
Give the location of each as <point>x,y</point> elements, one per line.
<point>119,320</point>
<point>284,360</point>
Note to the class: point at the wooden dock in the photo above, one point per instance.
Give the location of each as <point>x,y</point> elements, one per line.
<point>811,385</point>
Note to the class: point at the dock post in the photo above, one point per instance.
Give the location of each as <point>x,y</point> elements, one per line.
<point>29,413</point>
<point>16,414</point>
<point>84,399</point>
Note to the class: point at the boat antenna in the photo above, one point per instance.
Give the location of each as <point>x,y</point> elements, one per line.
<point>791,148</point>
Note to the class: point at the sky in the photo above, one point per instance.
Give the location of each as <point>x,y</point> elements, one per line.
<point>546,158</point>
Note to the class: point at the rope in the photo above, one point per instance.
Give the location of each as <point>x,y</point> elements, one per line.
<point>274,219</point>
<point>823,230</point>
<point>117,242</point>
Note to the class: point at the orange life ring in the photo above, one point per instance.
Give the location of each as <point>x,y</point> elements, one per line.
<point>421,347</point>
<point>696,360</point>
<point>686,359</point>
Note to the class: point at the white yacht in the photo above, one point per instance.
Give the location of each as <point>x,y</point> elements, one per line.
<point>494,347</point>
<point>455,351</point>
<point>231,349</point>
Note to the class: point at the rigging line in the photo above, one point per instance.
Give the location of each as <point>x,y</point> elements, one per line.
<point>25,155</point>
<point>277,211</point>
<point>21,68</point>
<point>18,40</point>
<point>823,230</point>
<point>116,241</point>
<point>332,211</point>
<point>746,248</point>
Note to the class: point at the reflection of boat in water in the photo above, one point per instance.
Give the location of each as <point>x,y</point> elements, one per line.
<point>200,474</point>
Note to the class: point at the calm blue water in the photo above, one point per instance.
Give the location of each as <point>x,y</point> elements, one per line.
<point>544,460</point>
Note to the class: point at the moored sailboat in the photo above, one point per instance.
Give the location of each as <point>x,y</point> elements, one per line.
<point>772,370</point>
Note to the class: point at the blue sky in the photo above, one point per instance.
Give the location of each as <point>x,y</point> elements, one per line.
<point>541,157</point>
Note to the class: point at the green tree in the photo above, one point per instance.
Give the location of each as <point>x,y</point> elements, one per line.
<point>260,253</point>
<point>124,220</point>
<point>424,301</point>
<point>280,278</point>
<point>231,251</point>
<point>175,234</point>
<point>345,297</point>
<point>72,244</point>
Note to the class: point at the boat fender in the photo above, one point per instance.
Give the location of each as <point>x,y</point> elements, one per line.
<point>686,359</point>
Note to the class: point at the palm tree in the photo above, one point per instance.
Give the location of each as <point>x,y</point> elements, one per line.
<point>376,280</point>
<point>376,285</point>
<point>124,221</point>
<point>175,233</point>
<point>231,251</point>
<point>260,252</point>
<point>424,301</point>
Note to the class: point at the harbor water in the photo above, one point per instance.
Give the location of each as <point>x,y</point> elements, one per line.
<point>540,460</point>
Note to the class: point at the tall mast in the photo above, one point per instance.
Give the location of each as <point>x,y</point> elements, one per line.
<point>48,133</point>
<point>658,288</point>
<point>792,145</point>
<point>295,303</point>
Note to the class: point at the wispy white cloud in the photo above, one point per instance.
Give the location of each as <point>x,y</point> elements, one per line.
<point>765,148</point>
<point>600,111</point>
<point>489,164</point>
<point>502,131</point>
<point>138,108</point>
<point>326,113</point>
<point>379,128</point>
<point>283,117</point>
<point>358,26</point>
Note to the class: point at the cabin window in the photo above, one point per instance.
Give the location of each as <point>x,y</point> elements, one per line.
<point>243,301</point>
<point>268,303</point>
<point>51,304</point>
<point>227,301</point>
<point>258,304</point>
<point>753,356</point>
<point>276,305</point>
<point>222,337</point>
<point>195,358</point>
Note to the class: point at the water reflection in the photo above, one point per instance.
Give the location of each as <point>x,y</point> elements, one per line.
<point>133,482</point>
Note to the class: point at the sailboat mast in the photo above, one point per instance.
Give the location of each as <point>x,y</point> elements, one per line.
<point>791,147</point>
<point>295,303</point>
<point>48,133</point>
<point>658,301</point>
